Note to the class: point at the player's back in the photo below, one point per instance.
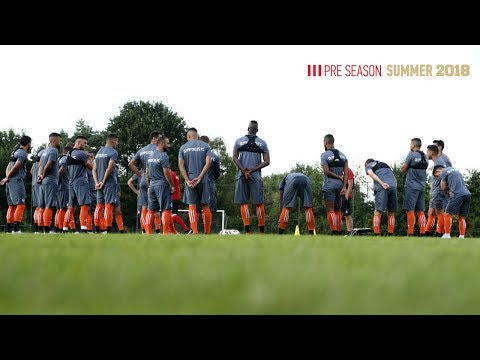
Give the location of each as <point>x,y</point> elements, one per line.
<point>194,154</point>
<point>102,159</point>
<point>77,171</point>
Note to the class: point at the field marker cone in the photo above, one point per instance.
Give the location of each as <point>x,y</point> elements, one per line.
<point>297,231</point>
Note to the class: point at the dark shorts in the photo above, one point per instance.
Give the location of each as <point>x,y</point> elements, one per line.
<point>79,195</point>
<point>200,194</point>
<point>143,196</point>
<point>346,209</point>
<point>333,196</point>
<point>301,189</point>
<point>459,205</point>
<point>438,201</point>
<point>159,198</point>
<point>175,204</point>
<point>414,200</point>
<point>48,195</point>
<point>107,194</point>
<point>16,191</point>
<point>213,195</point>
<point>35,195</point>
<point>62,199</point>
<point>386,200</point>
<point>244,189</point>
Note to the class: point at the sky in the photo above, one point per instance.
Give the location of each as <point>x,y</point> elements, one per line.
<point>219,89</point>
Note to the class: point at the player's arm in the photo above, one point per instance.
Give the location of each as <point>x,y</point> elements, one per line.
<point>266,162</point>
<point>168,175</point>
<point>183,171</point>
<point>62,170</point>
<point>132,165</point>
<point>326,171</point>
<point>377,179</point>
<point>208,163</point>
<point>237,162</point>
<point>147,177</point>
<point>346,191</point>
<point>350,186</point>
<point>46,169</point>
<point>281,198</point>
<point>443,185</point>
<point>108,172</point>
<point>9,173</point>
<point>94,173</point>
<point>131,186</point>
<point>404,166</point>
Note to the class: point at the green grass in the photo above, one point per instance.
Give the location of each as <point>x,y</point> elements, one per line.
<point>135,274</point>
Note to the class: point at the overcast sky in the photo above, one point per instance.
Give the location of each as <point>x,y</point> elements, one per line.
<point>219,89</point>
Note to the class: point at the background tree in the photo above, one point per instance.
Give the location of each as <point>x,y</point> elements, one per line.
<point>137,120</point>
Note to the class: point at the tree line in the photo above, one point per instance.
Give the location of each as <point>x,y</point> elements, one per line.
<point>138,118</point>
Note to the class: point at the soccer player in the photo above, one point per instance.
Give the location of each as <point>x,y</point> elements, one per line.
<point>176,202</point>
<point>77,165</point>
<point>194,160</point>
<point>35,192</point>
<point>161,186</point>
<point>292,186</point>
<point>93,199</point>
<point>118,205</point>
<point>141,158</point>
<point>415,166</point>
<point>48,180</point>
<point>63,188</point>
<point>105,182</point>
<point>346,203</point>
<point>213,175</point>
<point>438,197</point>
<point>248,152</point>
<point>441,145</point>
<point>460,198</point>
<point>385,186</point>
<point>335,182</point>
<point>137,192</point>
<point>14,179</point>
<point>431,209</point>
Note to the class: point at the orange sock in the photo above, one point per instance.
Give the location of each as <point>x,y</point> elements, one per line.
<point>84,216</point>
<point>11,214</point>
<point>35,215</point>
<point>332,220</point>
<point>245,212</point>
<point>284,217</point>
<point>40,216</point>
<point>157,220</point>
<point>192,214</point>
<point>207,219</point>
<point>119,221</point>
<point>410,222</point>
<point>377,218</point>
<point>47,217</point>
<point>447,223</point>
<point>89,221</point>
<point>440,223</point>
<point>310,219</point>
<point>143,217</point>
<point>148,221</point>
<point>109,214</point>
<point>55,221</point>
<point>462,225</point>
<point>72,220</point>
<point>172,226</point>
<point>167,220</point>
<point>61,218</point>
<point>18,216</point>
<point>338,213</point>
<point>260,214</point>
<point>422,222</point>
<point>67,220</point>
<point>98,214</point>
<point>391,223</point>
<point>179,221</point>
<point>430,223</point>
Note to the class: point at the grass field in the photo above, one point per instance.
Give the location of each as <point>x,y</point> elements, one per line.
<point>135,274</point>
